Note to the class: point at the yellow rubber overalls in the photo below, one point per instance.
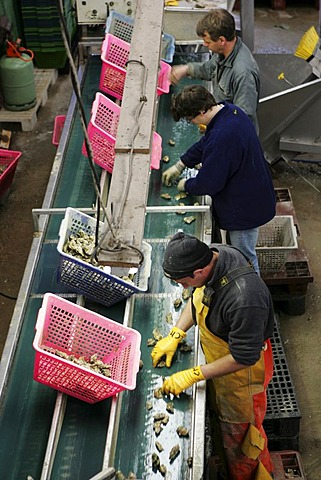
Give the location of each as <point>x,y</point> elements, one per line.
<point>241,402</point>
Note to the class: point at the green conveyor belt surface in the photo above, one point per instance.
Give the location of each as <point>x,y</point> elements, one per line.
<point>27,408</point>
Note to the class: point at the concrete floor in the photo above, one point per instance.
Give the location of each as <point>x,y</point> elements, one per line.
<point>275,32</point>
<point>280,32</point>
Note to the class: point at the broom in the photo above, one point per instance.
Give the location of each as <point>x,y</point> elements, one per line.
<point>309,50</point>
<point>307,44</point>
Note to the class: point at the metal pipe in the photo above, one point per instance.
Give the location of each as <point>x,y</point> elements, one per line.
<point>37,212</point>
<point>107,474</point>
<point>56,424</point>
<point>55,429</point>
<point>247,23</point>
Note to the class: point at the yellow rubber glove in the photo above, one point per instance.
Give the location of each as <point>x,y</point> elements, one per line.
<point>180,381</point>
<point>167,346</point>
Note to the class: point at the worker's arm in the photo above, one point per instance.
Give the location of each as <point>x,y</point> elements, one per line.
<point>185,321</point>
<point>172,173</point>
<point>222,366</point>
<point>180,381</point>
<point>177,73</point>
<point>166,347</point>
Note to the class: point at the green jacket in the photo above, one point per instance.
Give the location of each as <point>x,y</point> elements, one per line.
<point>235,79</point>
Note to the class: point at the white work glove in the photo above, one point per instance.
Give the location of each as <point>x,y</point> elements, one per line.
<point>172,173</point>
<point>177,73</point>
<point>181,185</point>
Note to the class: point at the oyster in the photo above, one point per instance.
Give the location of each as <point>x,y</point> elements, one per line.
<point>155,461</point>
<point>128,278</point>
<point>120,475</point>
<point>93,363</point>
<point>151,342</point>
<point>159,446</point>
<point>80,245</point>
<point>149,405</point>
<point>186,294</point>
<point>161,364</point>
<point>184,347</point>
<point>166,196</point>
<point>157,335</point>
<point>177,303</point>
<point>158,392</point>
<point>175,451</point>
<point>131,476</point>
<point>163,470</point>
<point>181,212</point>
<point>180,196</point>
<point>169,319</point>
<point>3,168</point>
<point>170,407</point>
<point>165,420</point>
<point>159,416</point>
<point>157,427</point>
<point>171,142</point>
<point>182,431</point>
<point>165,158</point>
<point>189,220</point>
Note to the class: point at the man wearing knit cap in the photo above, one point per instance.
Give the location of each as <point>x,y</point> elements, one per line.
<point>233,309</point>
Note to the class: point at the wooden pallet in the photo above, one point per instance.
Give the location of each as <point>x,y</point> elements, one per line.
<point>44,78</point>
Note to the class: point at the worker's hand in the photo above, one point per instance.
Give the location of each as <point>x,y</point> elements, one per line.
<point>167,346</point>
<point>181,185</point>
<point>180,381</point>
<point>172,173</point>
<point>177,73</point>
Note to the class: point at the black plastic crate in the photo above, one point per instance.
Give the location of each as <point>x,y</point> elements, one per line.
<point>277,443</point>
<point>283,414</point>
<point>286,465</point>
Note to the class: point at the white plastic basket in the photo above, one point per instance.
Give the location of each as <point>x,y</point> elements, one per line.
<point>89,280</point>
<point>276,240</point>
<point>121,26</point>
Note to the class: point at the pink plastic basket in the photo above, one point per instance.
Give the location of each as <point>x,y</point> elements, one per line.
<point>115,53</point>
<point>66,327</point>
<point>102,131</point>
<point>9,159</point>
<point>58,127</point>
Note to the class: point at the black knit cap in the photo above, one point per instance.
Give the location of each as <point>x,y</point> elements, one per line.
<point>185,254</point>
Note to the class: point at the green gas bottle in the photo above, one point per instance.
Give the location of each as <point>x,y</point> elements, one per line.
<point>17,80</point>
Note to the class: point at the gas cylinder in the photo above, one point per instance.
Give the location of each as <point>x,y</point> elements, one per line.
<point>17,81</point>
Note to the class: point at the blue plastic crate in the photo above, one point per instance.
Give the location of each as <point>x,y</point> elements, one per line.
<point>121,26</point>
<point>92,281</point>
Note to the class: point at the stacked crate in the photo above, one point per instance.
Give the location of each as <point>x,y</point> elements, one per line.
<point>286,465</point>
<point>288,286</point>
<point>282,420</point>
<point>42,32</point>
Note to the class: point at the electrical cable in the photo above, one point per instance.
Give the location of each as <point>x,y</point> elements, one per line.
<point>77,90</point>
<point>8,296</point>
<point>134,133</point>
<point>302,176</point>
<point>118,245</point>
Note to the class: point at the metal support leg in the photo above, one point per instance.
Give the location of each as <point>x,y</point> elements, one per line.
<point>247,23</point>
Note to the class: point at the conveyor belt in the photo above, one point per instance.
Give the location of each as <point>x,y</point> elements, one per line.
<point>88,441</point>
